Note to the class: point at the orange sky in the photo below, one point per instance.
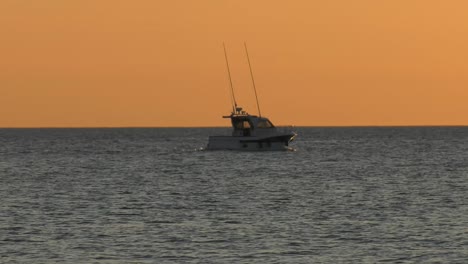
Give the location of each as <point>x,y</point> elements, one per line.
<point>107,63</point>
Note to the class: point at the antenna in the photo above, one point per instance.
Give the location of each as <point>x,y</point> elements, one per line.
<point>253,81</point>
<point>233,98</point>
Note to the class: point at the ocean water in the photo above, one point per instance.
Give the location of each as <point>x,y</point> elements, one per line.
<point>346,195</point>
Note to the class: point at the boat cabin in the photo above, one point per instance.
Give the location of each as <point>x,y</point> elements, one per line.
<point>249,125</point>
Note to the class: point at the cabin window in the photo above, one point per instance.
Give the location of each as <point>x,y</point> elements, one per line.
<point>241,124</point>
<point>264,124</point>
<point>237,124</point>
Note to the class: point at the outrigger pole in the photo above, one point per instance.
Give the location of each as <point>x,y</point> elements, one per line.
<point>253,81</point>
<point>233,98</point>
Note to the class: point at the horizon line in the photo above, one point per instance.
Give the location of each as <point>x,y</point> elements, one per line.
<point>301,126</point>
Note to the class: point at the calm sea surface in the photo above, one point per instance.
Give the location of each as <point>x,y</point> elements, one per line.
<point>347,195</point>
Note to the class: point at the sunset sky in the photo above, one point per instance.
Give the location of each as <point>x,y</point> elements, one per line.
<point>114,63</point>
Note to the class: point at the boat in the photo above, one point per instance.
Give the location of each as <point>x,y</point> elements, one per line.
<point>250,132</point>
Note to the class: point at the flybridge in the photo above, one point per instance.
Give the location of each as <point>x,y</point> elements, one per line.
<point>238,112</point>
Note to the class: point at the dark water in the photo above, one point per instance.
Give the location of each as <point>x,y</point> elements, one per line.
<point>347,195</point>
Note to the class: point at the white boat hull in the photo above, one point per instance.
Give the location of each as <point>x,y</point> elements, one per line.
<point>250,143</point>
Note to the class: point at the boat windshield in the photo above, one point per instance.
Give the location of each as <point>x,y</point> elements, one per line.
<point>264,124</point>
